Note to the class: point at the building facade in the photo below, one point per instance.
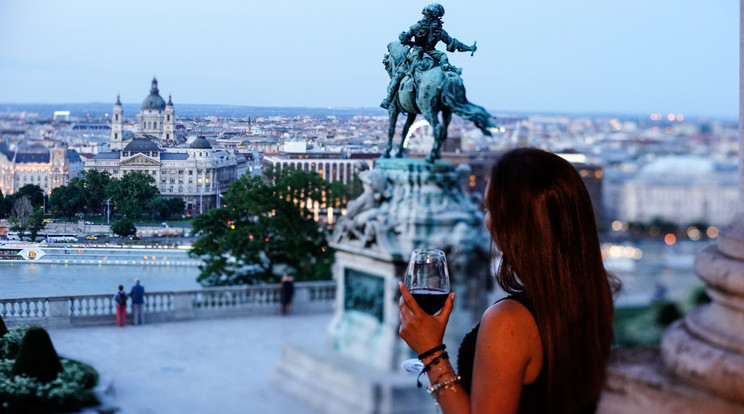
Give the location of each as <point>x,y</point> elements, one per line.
<point>682,190</point>
<point>330,166</point>
<point>198,174</point>
<point>46,168</point>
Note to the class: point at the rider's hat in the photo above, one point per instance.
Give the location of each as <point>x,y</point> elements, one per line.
<point>433,10</point>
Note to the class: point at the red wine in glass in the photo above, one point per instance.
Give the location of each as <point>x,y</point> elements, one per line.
<point>427,279</point>
<point>430,300</point>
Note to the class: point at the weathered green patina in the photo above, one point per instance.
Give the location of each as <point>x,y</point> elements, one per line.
<point>423,82</point>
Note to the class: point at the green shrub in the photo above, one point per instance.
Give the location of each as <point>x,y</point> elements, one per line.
<point>69,392</point>
<point>3,328</point>
<point>701,297</point>
<point>37,357</point>
<point>11,342</point>
<point>668,313</point>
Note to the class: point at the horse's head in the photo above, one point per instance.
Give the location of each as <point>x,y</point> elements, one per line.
<point>397,52</point>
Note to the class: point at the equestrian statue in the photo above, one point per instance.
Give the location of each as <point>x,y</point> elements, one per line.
<point>422,81</point>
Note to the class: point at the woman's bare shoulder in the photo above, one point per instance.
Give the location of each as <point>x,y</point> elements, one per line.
<point>509,330</point>
<point>507,311</point>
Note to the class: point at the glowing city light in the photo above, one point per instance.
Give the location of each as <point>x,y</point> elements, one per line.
<point>617,225</point>
<point>670,239</point>
<point>712,232</point>
<point>671,117</point>
<point>693,233</point>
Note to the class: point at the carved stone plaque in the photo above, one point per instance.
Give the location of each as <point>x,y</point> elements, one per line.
<point>364,292</point>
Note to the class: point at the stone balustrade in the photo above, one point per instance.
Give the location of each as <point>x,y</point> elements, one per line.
<point>165,306</point>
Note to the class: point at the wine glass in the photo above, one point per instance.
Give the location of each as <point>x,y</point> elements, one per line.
<point>427,279</point>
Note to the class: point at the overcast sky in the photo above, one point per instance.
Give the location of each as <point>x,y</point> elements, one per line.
<point>574,56</point>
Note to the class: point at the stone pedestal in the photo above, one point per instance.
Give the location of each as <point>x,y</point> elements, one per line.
<point>638,382</point>
<point>406,204</point>
<point>706,348</point>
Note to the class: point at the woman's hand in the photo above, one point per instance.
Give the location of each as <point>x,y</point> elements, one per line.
<point>420,330</point>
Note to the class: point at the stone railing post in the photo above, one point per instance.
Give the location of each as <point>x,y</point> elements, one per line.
<point>183,306</point>
<point>59,312</point>
<point>706,348</point>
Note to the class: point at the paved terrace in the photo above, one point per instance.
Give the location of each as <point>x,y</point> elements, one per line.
<point>196,366</point>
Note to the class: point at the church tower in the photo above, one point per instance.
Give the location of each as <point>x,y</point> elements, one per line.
<point>150,118</point>
<point>116,127</point>
<point>169,123</point>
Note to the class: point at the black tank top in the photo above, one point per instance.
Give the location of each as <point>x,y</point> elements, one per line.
<point>533,397</point>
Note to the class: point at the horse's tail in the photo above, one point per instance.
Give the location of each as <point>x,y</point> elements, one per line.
<point>453,96</point>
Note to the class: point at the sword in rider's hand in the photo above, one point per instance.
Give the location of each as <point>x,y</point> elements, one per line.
<point>474,48</point>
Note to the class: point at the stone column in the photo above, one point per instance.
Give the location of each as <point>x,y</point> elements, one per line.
<point>706,348</point>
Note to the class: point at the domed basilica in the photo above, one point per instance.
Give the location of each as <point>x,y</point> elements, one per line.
<point>196,173</point>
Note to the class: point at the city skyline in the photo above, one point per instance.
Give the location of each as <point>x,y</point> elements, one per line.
<point>574,57</point>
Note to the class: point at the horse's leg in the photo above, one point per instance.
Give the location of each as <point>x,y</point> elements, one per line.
<point>393,118</point>
<point>446,119</point>
<point>431,116</point>
<point>409,121</point>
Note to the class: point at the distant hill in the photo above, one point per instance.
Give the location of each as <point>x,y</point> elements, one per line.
<point>97,110</point>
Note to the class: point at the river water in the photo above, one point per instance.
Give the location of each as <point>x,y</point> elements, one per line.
<point>661,271</point>
<point>19,280</point>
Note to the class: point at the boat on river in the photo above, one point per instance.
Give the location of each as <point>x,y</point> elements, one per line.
<point>28,252</point>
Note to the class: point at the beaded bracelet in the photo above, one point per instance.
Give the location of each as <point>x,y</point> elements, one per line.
<point>448,383</point>
<point>428,366</point>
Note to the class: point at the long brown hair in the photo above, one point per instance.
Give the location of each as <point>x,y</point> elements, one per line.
<point>543,222</point>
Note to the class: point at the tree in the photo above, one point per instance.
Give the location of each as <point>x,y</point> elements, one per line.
<point>266,223</point>
<point>96,184</point>
<point>3,209</point>
<point>34,193</point>
<point>164,208</point>
<point>124,227</point>
<point>35,223</point>
<point>132,193</point>
<point>19,214</point>
<point>69,200</point>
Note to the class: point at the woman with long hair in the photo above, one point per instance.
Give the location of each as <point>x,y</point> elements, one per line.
<point>543,348</point>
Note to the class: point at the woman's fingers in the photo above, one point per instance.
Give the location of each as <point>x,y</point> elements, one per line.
<point>447,308</point>
<point>407,299</point>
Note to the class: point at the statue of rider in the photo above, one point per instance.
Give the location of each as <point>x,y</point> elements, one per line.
<point>423,38</point>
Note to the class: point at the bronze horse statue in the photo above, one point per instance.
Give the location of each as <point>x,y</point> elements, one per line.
<point>430,91</point>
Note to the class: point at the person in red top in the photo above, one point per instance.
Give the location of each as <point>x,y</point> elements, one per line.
<point>120,300</point>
